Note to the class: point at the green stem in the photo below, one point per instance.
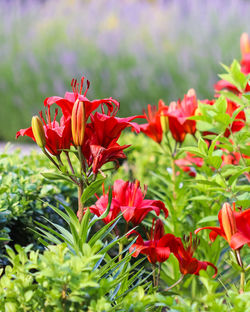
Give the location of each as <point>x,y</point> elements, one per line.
<point>242,274</point>
<point>158,275</point>
<point>154,277</point>
<point>69,162</point>
<point>80,205</point>
<point>175,284</point>
<point>81,159</point>
<point>174,182</point>
<point>242,282</point>
<point>50,158</point>
<point>120,250</point>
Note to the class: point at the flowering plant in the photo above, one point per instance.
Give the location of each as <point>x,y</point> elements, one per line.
<point>202,149</point>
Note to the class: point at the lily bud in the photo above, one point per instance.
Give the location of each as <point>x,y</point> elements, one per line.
<point>78,122</point>
<point>191,92</point>
<point>163,118</point>
<point>244,44</point>
<point>197,112</point>
<point>228,221</point>
<point>38,131</point>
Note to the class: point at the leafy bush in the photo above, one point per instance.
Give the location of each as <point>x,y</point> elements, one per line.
<point>24,194</point>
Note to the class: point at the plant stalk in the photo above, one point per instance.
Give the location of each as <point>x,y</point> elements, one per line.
<point>80,205</point>
<point>175,284</point>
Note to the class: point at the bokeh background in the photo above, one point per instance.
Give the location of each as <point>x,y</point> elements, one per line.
<point>135,51</point>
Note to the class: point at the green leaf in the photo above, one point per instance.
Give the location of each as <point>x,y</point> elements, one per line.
<point>202,146</point>
<point>55,176</point>
<point>91,190</point>
<point>215,161</point>
<point>208,219</point>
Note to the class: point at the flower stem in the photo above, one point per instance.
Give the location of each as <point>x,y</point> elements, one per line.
<point>154,277</point>
<point>50,158</point>
<point>175,284</point>
<point>80,205</point>
<point>158,274</point>
<point>242,281</point>
<point>242,273</point>
<point>69,162</point>
<point>120,250</point>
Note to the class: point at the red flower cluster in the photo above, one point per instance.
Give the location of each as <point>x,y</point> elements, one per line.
<point>154,128</point>
<point>128,198</point>
<point>98,138</point>
<point>160,245</point>
<point>187,163</point>
<point>175,117</point>
<point>178,114</point>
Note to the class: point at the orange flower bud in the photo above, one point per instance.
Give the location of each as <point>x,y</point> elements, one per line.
<point>163,117</point>
<point>78,122</point>
<point>244,44</point>
<point>191,92</point>
<point>228,221</point>
<point>38,131</point>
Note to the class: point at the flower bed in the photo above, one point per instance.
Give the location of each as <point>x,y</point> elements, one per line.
<point>179,244</point>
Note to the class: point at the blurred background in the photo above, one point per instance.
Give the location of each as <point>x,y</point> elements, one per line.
<point>135,51</point>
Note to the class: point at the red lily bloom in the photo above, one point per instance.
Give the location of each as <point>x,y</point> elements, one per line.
<point>69,99</point>
<point>58,135</point>
<point>178,114</point>
<point>153,127</point>
<point>132,202</point>
<point>186,164</point>
<point>239,121</point>
<point>234,227</point>
<point>156,249</point>
<point>188,264</point>
<point>101,205</point>
<point>101,135</point>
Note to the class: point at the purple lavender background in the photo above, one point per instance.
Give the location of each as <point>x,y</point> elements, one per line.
<point>135,51</point>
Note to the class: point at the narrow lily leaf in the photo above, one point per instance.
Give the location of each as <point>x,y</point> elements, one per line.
<point>55,176</point>
<point>208,219</point>
<point>91,190</point>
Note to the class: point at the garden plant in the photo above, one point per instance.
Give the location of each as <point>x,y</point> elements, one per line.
<point>167,229</point>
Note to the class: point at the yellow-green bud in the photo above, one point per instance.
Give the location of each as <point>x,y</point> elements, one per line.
<point>38,131</point>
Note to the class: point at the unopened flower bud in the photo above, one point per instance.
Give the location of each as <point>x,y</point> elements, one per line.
<point>197,112</point>
<point>163,117</point>
<point>191,92</point>
<point>244,44</point>
<point>228,221</point>
<point>78,123</point>
<point>38,131</point>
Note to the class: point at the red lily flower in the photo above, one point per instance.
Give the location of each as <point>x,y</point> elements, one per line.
<point>69,99</point>
<point>234,227</point>
<point>186,164</point>
<point>178,114</point>
<point>101,205</point>
<point>101,135</point>
<point>239,121</point>
<point>188,264</point>
<point>58,135</point>
<point>153,128</point>
<point>132,202</point>
<point>156,248</point>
